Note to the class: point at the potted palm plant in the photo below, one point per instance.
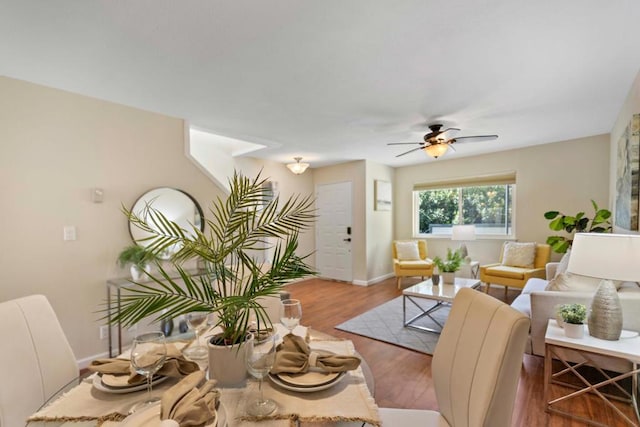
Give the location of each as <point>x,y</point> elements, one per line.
<point>239,230</point>
<point>448,266</point>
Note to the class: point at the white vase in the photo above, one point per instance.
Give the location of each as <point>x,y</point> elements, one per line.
<point>571,330</point>
<point>227,364</point>
<point>448,278</point>
<point>138,274</point>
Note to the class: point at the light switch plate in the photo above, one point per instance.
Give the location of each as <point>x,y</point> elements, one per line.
<point>69,232</point>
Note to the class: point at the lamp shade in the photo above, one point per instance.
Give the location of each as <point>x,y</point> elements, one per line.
<point>463,232</point>
<point>436,150</point>
<point>297,167</point>
<point>606,256</point>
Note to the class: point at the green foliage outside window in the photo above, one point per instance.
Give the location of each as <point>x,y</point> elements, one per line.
<point>490,206</point>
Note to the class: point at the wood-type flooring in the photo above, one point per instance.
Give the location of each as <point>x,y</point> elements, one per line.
<point>403,377</point>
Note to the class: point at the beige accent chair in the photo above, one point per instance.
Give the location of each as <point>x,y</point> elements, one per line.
<point>476,366</point>
<point>516,277</point>
<point>422,266</point>
<point>36,360</point>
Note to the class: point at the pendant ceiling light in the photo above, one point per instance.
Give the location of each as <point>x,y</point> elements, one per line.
<point>297,167</point>
<point>436,150</point>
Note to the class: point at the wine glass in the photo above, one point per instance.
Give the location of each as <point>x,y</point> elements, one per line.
<point>260,357</point>
<point>197,321</point>
<point>290,313</point>
<point>148,354</point>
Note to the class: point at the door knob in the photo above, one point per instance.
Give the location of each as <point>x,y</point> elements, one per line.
<point>347,240</point>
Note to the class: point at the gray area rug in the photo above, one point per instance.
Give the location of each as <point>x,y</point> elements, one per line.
<point>385,323</point>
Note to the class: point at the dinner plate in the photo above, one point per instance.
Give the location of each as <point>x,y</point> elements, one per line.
<point>99,385</point>
<point>150,417</point>
<point>308,379</point>
<point>307,388</point>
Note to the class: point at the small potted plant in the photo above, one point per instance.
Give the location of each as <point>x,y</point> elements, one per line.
<point>573,316</point>
<point>138,258</point>
<point>448,266</point>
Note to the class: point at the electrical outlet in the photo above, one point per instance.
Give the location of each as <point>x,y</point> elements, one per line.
<point>104,332</point>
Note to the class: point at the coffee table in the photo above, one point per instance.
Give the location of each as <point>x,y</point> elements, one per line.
<point>443,294</point>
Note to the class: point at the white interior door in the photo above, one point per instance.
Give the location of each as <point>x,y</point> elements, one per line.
<point>334,231</point>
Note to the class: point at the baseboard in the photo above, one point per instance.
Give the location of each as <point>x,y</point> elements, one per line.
<point>372,281</point>
<point>86,361</point>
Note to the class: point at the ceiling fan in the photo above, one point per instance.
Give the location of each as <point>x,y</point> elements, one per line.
<point>436,143</point>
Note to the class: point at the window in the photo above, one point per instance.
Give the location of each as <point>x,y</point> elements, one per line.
<point>486,202</point>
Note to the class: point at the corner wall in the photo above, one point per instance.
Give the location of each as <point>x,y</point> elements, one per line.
<point>55,147</point>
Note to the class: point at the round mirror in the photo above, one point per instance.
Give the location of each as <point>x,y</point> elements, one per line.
<point>175,205</point>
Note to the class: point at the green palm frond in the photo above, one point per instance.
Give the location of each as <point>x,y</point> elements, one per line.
<point>244,224</point>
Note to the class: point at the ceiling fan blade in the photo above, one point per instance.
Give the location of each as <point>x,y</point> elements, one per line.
<point>410,151</point>
<point>405,143</point>
<point>474,138</point>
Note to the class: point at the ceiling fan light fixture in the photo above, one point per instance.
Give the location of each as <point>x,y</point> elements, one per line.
<point>297,167</point>
<point>436,150</point>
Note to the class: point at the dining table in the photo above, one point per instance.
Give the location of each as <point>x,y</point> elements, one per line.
<point>348,402</point>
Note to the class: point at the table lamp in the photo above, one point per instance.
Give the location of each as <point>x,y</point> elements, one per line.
<point>608,257</point>
<point>463,233</point>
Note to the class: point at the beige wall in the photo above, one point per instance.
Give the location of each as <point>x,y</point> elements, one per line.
<point>630,107</point>
<point>379,225</point>
<point>55,147</point>
<point>355,173</point>
<point>561,176</point>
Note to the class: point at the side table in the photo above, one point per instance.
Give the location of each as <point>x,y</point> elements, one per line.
<point>624,348</point>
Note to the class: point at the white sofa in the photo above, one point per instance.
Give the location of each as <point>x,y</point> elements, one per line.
<point>540,305</point>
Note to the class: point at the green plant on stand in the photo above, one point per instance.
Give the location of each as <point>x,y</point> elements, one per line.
<point>576,224</point>
<point>573,316</point>
<point>138,257</point>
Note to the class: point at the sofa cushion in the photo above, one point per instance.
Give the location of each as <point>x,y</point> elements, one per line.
<point>413,265</point>
<point>564,263</point>
<point>570,282</point>
<point>522,303</point>
<point>534,285</point>
<point>505,271</point>
<point>519,254</point>
<point>407,251</point>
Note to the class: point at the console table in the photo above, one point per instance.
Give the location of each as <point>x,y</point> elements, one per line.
<point>627,347</point>
<point>116,286</point>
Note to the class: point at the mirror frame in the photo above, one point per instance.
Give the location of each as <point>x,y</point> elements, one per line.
<point>145,200</point>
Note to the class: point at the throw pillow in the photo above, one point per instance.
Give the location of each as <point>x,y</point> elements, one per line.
<point>564,263</point>
<point>570,282</point>
<point>519,254</point>
<point>407,251</point>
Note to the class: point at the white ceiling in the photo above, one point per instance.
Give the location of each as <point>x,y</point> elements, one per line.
<point>336,80</point>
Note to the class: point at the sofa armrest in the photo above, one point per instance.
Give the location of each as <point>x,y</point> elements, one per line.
<point>551,269</point>
<point>535,272</point>
<point>543,308</point>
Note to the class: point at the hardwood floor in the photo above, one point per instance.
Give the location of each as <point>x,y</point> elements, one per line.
<point>403,377</point>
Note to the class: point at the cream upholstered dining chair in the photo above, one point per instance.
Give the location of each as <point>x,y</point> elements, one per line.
<point>410,259</point>
<point>36,360</point>
<point>476,366</point>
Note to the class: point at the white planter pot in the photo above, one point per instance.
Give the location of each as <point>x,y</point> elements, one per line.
<point>448,278</point>
<point>139,275</point>
<point>227,364</point>
<point>571,330</point>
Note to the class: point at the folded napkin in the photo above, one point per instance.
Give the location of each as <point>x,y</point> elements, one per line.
<point>294,356</point>
<point>189,405</point>
<point>175,365</point>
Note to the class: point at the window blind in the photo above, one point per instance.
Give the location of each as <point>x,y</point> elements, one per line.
<point>482,180</point>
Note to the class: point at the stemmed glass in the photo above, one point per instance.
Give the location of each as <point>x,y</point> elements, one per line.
<point>148,354</point>
<point>197,321</point>
<point>290,313</point>
<point>260,357</point>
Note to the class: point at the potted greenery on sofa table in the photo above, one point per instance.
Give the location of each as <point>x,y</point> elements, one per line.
<point>573,316</point>
<point>240,229</point>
